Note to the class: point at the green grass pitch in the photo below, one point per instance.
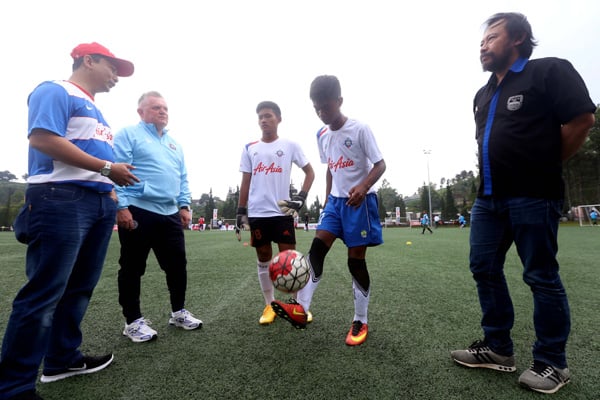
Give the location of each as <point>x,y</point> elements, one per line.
<point>423,305</point>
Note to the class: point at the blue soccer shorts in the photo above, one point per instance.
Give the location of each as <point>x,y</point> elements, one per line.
<point>355,226</point>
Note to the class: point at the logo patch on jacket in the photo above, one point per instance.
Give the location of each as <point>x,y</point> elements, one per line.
<point>514,102</point>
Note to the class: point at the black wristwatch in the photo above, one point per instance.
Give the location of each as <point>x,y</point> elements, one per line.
<point>185,208</point>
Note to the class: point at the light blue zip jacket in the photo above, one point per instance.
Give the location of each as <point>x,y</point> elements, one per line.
<point>160,166</point>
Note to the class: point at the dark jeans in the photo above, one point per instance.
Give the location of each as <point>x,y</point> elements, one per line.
<point>164,235</point>
<point>532,224</point>
<point>70,228</point>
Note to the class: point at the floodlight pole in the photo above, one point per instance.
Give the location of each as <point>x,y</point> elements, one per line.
<point>427,154</point>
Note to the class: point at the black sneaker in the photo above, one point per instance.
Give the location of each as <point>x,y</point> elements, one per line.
<point>28,395</point>
<point>544,378</point>
<point>479,355</point>
<point>87,365</point>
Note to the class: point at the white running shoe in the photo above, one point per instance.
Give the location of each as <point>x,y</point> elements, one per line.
<point>185,319</point>
<point>139,331</point>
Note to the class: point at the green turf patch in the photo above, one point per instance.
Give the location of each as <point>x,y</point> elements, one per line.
<point>423,305</point>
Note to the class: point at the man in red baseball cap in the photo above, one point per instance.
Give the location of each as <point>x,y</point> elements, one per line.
<point>124,67</point>
<point>67,222</point>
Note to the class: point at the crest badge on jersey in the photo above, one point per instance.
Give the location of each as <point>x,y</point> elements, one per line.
<point>279,153</point>
<point>348,142</point>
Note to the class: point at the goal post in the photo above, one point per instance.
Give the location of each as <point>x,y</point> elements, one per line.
<point>585,214</point>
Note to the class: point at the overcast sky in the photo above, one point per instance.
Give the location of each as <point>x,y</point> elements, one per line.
<point>408,69</point>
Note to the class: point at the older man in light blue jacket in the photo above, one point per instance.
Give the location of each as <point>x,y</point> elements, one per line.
<point>151,215</point>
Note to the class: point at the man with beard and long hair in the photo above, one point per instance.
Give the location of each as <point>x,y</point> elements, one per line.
<point>530,117</point>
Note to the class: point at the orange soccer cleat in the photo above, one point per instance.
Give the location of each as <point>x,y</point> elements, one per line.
<point>357,334</point>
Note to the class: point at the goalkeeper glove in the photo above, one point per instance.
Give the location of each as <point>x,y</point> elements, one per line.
<point>289,207</point>
<point>241,219</point>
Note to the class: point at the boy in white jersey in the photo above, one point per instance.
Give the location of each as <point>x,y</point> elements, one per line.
<point>266,167</point>
<point>354,165</point>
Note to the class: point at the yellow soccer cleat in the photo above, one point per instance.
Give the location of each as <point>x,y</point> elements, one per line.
<point>268,315</point>
<point>308,317</point>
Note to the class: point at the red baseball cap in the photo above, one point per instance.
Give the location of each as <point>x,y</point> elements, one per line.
<point>124,67</point>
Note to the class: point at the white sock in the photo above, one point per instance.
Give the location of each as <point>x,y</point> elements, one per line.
<point>361,302</point>
<point>266,285</point>
<point>304,296</point>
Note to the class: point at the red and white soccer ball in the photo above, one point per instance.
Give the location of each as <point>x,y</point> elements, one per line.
<point>289,271</point>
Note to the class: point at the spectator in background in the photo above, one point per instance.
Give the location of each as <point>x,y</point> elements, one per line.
<point>462,221</point>
<point>425,223</point>
<point>594,216</point>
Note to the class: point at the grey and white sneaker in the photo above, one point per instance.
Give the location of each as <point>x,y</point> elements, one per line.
<point>139,331</point>
<point>479,355</point>
<point>185,319</point>
<point>544,378</point>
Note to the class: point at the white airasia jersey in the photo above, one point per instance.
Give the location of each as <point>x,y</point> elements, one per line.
<point>349,153</point>
<point>271,167</point>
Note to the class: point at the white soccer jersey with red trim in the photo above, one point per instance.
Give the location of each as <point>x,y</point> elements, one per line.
<point>270,165</point>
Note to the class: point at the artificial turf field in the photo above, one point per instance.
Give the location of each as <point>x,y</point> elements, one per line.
<point>423,305</point>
